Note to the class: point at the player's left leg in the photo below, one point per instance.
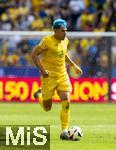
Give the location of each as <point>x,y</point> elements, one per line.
<point>64,89</point>
<point>65,112</point>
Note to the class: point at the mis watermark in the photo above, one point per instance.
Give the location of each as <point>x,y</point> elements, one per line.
<point>34,136</point>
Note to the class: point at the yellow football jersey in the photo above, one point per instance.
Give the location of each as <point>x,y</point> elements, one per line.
<point>53,58</point>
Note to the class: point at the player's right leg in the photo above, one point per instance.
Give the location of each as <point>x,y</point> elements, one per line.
<point>47,104</point>
<point>38,93</point>
<point>45,97</point>
<point>45,100</point>
<point>45,93</point>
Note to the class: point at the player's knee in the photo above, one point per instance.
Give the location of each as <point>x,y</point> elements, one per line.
<point>64,95</point>
<point>47,108</point>
<point>47,104</point>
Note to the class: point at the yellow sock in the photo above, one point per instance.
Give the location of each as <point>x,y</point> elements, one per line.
<point>65,115</point>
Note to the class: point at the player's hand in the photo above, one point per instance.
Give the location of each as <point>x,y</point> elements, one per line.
<point>78,70</point>
<point>45,73</point>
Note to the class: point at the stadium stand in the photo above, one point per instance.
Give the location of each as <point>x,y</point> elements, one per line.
<point>81,15</point>
<point>31,15</point>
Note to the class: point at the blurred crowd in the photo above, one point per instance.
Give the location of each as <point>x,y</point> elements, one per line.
<point>14,51</point>
<point>90,53</point>
<point>38,15</point>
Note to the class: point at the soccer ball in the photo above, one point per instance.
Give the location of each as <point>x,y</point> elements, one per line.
<point>75,133</point>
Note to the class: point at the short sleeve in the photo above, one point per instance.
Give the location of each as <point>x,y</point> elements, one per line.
<point>43,44</point>
<point>67,41</point>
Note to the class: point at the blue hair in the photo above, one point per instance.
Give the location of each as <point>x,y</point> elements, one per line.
<point>59,23</point>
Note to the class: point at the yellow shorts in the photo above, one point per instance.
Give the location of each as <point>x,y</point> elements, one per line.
<point>50,84</point>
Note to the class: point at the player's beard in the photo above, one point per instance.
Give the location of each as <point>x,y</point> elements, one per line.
<point>63,37</point>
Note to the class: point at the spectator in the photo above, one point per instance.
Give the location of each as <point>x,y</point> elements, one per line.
<point>103,65</point>
<point>76,8</point>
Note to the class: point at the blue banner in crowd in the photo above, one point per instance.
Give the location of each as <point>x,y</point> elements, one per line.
<point>34,72</point>
<point>19,71</point>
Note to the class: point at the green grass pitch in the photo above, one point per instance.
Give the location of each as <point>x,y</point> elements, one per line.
<point>98,122</point>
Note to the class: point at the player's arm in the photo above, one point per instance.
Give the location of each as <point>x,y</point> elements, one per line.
<point>71,63</point>
<point>35,57</point>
